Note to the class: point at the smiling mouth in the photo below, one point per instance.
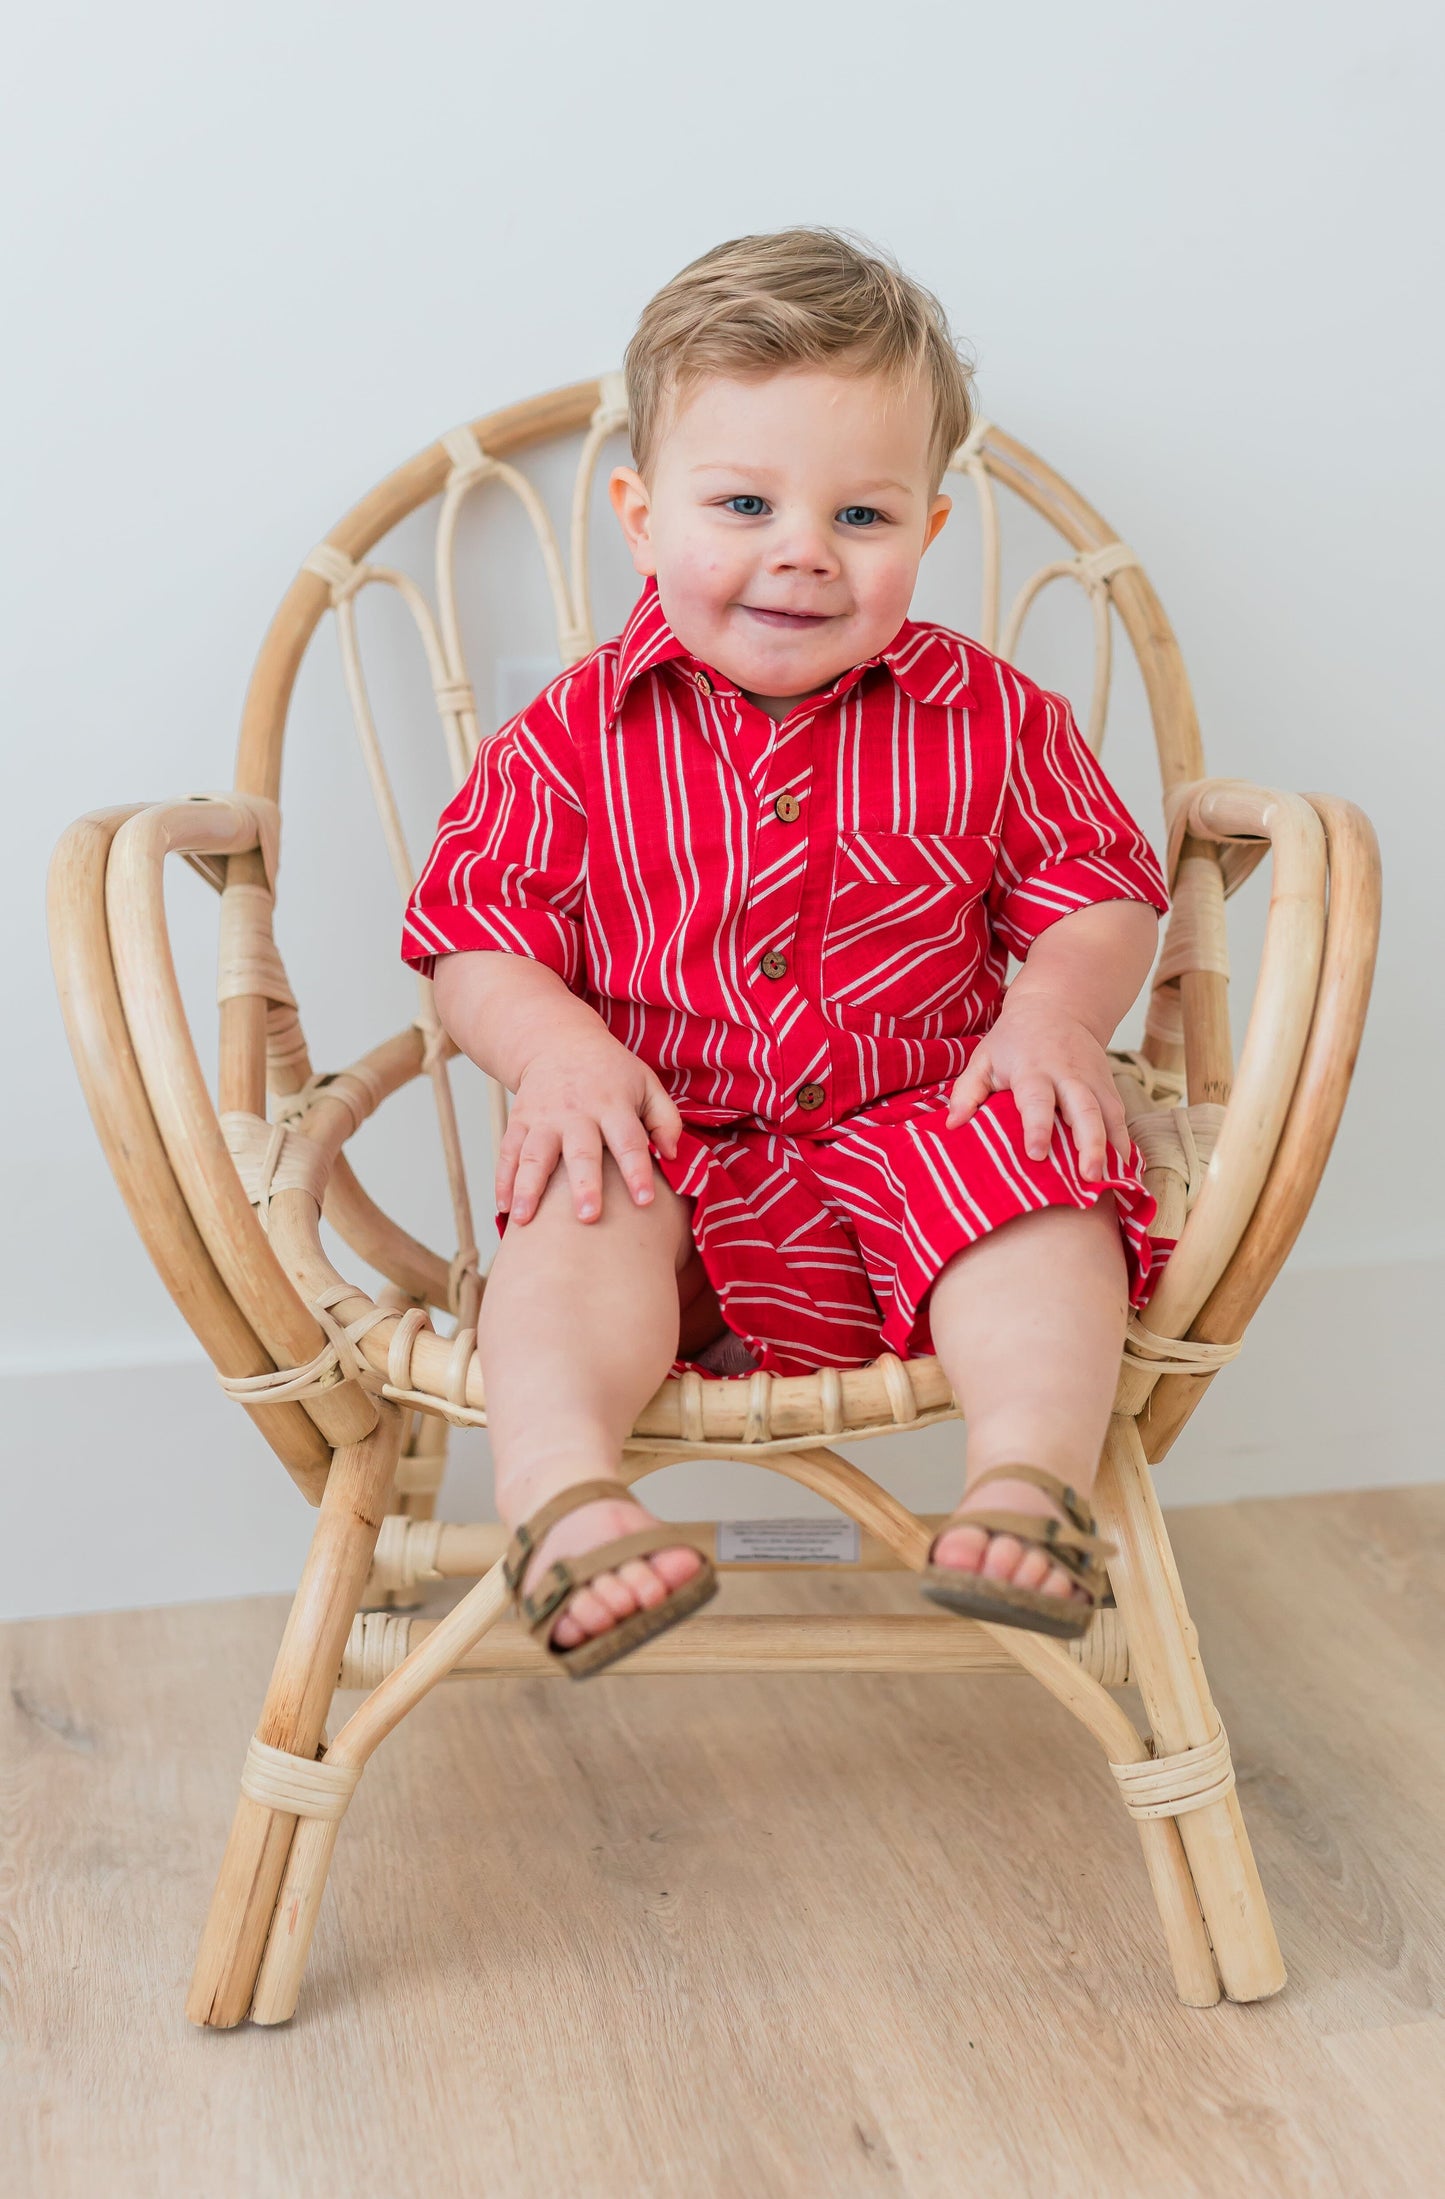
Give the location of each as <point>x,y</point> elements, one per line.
<point>794,619</point>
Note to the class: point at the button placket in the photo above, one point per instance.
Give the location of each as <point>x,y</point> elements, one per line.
<point>794,757</point>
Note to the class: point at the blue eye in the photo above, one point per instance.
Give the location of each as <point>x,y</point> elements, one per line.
<point>755,503</point>
<point>858,515</point>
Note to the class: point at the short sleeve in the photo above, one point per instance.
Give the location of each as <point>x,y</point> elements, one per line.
<point>506,870</point>
<point>1067,841</point>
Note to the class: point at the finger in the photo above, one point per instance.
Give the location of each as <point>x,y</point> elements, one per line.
<point>509,1152</point>
<point>582,1151</point>
<point>970,1092</point>
<point>663,1121</point>
<point>1082,1113</point>
<point>534,1172</point>
<point>1116,1122</point>
<point>627,1142</point>
<point>1034,1098</point>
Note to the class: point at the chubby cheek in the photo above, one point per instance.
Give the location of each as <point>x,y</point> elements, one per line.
<point>882,590</point>
<point>698,585</point>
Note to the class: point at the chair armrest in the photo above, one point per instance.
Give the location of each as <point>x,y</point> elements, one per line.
<point>1220,814</point>
<point>242,831</point>
<point>100,1042</point>
<point>1352,929</point>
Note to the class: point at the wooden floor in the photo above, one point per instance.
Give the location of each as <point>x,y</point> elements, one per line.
<point>742,1936</point>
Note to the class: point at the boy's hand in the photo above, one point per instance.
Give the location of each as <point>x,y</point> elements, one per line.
<point>1048,1060</point>
<point>573,1097</point>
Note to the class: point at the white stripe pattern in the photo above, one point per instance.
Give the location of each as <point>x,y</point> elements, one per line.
<point>802,927</point>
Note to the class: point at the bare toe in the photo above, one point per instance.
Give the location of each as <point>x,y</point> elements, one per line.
<point>961,1549</point>
<point>676,1566</point>
<point>1059,1584</point>
<point>615,1593</point>
<point>588,1609</point>
<point>643,1582</point>
<point>1032,1568</point>
<point>1004,1552</point>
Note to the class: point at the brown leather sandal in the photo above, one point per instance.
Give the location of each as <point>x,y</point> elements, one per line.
<point>546,1602</point>
<point>1070,1542</point>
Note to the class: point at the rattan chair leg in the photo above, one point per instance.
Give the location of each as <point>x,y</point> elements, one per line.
<point>288,1942</point>
<point>278,1986</point>
<point>1195,1978</point>
<point>302,1683</point>
<point>1165,1662</point>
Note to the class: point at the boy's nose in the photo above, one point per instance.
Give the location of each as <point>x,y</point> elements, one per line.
<point>804,550</point>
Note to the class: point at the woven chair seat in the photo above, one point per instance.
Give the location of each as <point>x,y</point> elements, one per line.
<point>698,1413</point>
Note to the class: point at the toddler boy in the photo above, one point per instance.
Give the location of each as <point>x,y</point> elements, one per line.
<point>729,908</point>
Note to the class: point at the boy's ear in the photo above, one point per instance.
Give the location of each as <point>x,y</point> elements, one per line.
<point>938,512</point>
<point>633,507</point>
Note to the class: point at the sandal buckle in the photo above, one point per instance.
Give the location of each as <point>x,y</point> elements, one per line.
<point>543,1600</point>
<point>514,1567</point>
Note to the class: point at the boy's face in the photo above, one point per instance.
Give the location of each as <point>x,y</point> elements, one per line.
<point>785,521</point>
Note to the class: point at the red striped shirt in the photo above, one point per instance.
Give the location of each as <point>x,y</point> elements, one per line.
<point>823,907</point>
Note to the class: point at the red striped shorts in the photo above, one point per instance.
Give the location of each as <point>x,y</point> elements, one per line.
<point>822,1250</point>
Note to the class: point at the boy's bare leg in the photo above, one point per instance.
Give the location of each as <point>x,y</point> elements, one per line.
<point>1028,1325</point>
<point>579,1325</point>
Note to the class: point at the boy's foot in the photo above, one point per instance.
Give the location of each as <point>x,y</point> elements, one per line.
<point>1004,1557</point>
<point>637,1584</point>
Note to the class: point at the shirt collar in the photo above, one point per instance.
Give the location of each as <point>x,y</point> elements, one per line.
<point>930,663</point>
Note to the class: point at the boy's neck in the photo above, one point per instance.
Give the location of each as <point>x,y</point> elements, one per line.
<point>779,707</point>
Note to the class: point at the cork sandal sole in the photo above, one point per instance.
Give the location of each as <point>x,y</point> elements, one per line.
<point>551,1596</point>
<point>974,1597</point>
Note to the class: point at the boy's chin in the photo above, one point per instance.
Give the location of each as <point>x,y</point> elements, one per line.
<point>788,667</point>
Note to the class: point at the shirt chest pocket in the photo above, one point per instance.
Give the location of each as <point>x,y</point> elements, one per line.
<point>907,926</point>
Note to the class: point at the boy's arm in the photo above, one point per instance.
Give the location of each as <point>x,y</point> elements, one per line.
<point>1076,896</point>
<point>577,1087</point>
<point>501,1009</point>
<point>1089,966</point>
<point>495,921</point>
<point>1047,1047</point>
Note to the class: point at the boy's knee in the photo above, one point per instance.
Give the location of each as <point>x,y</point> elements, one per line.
<point>666,1210</point>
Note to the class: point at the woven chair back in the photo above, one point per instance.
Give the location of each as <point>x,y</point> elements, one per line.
<point>480,568</point>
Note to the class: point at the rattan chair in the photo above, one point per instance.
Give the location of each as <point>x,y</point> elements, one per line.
<point>354,1392</point>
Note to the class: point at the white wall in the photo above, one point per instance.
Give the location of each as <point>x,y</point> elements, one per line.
<point>254,261</point>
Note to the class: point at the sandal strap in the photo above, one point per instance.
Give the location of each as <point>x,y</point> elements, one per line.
<point>565,1575</point>
<point>1051,1534</point>
<point>1058,1492</point>
<point>1072,1542</point>
<point>1081,1556</point>
<point>526,1537</point>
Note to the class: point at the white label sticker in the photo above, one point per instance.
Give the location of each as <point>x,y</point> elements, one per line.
<point>789,1541</point>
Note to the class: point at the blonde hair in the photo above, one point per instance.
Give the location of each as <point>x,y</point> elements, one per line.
<point>797,297</point>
